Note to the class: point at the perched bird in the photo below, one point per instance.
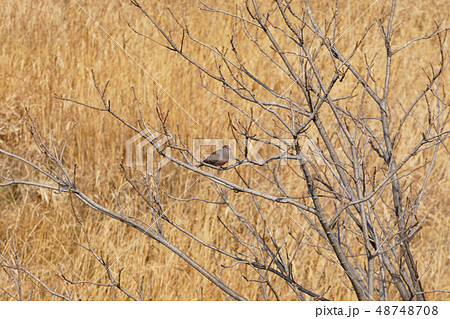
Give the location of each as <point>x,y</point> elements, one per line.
<point>218,158</point>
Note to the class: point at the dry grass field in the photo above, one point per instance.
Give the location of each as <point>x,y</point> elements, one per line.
<point>50,47</point>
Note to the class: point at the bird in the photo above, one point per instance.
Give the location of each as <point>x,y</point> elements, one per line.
<point>218,158</point>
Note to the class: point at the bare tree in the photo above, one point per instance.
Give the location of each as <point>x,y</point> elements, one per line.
<point>355,166</point>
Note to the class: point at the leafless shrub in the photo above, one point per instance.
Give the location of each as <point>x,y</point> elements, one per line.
<point>355,168</point>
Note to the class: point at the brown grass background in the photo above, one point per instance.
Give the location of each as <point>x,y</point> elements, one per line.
<point>50,46</point>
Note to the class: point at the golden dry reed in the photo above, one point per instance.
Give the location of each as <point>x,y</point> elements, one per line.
<point>50,46</point>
